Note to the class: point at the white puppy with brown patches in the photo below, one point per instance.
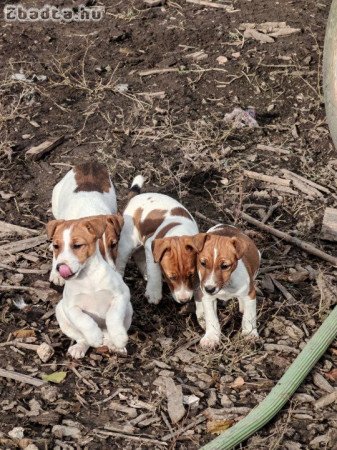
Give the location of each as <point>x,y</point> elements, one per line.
<point>162,228</point>
<point>227,263</point>
<point>95,309</point>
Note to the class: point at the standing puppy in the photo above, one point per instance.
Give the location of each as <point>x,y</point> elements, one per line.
<point>163,228</point>
<point>95,309</point>
<point>227,262</point>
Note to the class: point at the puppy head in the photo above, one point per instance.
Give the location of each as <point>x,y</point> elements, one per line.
<point>114,225</point>
<point>177,259</point>
<point>217,259</point>
<point>74,242</point>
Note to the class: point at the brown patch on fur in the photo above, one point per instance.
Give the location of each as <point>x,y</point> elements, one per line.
<point>84,232</point>
<point>113,230</point>
<point>162,232</point>
<point>179,211</point>
<point>149,225</point>
<point>232,245</point>
<point>92,176</point>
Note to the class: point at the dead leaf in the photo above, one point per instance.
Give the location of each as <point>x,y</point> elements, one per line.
<point>23,334</point>
<point>218,426</point>
<point>238,382</point>
<point>332,375</point>
<point>55,377</point>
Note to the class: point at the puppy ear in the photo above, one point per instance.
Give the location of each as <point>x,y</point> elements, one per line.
<point>159,247</point>
<point>117,222</point>
<point>240,246</point>
<point>198,241</point>
<point>96,225</point>
<point>51,227</point>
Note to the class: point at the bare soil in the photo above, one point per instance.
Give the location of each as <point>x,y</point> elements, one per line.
<point>170,127</point>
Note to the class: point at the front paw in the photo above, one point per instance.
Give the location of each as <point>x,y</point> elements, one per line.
<point>250,333</point>
<point>56,279</point>
<point>153,296</point>
<point>95,338</point>
<point>117,341</point>
<point>210,341</point>
<point>107,342</point>
<point>78,350</point>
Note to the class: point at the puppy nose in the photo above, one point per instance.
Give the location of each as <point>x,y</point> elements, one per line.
<point>58,267</point>
<point>210,289</point>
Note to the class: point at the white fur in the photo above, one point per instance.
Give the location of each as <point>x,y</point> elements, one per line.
<point>130,239</point>
<point>238,287</point>
<point>95,309</point>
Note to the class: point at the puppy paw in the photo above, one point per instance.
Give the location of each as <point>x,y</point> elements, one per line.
<point>153,297</point>
<point>95,339</point>
<point>78,350</point>
<point>209,341</point>
<point>56,279</point>
<point>107,342</point>
<point>248,333</point>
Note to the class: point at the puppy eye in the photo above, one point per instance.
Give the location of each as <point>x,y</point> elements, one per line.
<point>77,246</point>
<point>203,263</point>
<point>225,266</point>
<point>56,246</point>
<point>113,244</point>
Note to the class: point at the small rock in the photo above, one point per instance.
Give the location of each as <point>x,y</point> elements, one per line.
<point>185,355</point>
<point>222,60</point>
<point>236,55</point>
<point>226,402</point>
<point>49,393</point>
<point>16,433</point>
<point>61,431</point>
<point>45,352</point>
<point>191,400</point>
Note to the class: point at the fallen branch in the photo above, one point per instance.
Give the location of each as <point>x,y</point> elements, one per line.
<point>24,244</point>
<point>38,151</point>
<point>306,246</point>
<point>182,430</point>
<point>271,210</point>
<point>20,270</point>
<point>306,189</point>
<point>21,377</point>
<point>269,148</point>
<point>289,174</point>
<point>9,228</point>
<point>145,73</point>
<point>269,179</point>
<point>283,189</point>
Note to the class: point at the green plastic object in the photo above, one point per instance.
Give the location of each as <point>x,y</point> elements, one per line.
<point>330,71</point>
<point>283,390</point>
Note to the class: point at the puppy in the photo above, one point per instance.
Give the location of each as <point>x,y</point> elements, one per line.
<point>227,264</point>
<point>163,228</point>
<point>86,190</point>
<point>96,307</point>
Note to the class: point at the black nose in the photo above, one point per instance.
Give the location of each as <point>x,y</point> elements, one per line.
<point>58,266</point>
<point>210,289</point>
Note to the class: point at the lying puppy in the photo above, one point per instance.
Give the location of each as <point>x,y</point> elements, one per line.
<point>163,228</point>
<point>95,296</point>
<point>86,190</point>
<point>95,309</point>
<point>227,262</point>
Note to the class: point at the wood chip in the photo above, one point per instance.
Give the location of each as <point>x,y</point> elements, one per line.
<point>322,383</point>
<point>257,36</point>
<point>329,225</point>
<point>38,151</point>
<point>10,229</point>
<point>326,400</point>
<point>228,8</point>
<point>175,405</point>
<point>269,179</point>
<point>24,244</point>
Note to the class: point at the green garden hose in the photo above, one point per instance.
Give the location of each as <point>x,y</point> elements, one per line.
<point>284,389</point>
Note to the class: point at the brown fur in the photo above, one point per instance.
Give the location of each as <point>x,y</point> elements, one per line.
<point>177,259</point>
<point>179,211</point>
<point>92,176</point>
<point>85,231</point>
<point>113,230</point>
<point>149,225</point>
<point>231,245</point>
<point>162,232</point>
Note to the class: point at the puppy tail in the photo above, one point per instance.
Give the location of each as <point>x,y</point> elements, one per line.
<point>136,186</point>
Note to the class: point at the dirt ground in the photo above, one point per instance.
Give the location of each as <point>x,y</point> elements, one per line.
<point>170,127</point>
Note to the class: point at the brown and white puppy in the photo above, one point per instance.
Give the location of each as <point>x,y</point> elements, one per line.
<point>86,190</point>
<point>162,227</point>
<point>95,309</point>
<point>227,264</point>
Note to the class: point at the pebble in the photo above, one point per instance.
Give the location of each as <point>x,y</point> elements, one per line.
<point>16,433</point>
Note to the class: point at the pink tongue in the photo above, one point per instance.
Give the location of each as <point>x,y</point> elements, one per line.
<point>65,271</point>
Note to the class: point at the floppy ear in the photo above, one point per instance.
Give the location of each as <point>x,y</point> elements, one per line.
<point>95,225</point>
<point>117,222</point>
<point>240,246</point>
<point>51,227</point>
<point>159,247</point>
<point>198,241</point>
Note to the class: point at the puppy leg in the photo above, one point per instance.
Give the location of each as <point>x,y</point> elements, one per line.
<point>199,309</point>
<point>249,316</point>
<point>115,319</point>
<point>79,349</point>
<point>86,325</point>
<point>213,332</point>
<point>154,279</point>
<point>128,241</point>
<point>139,258</point>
